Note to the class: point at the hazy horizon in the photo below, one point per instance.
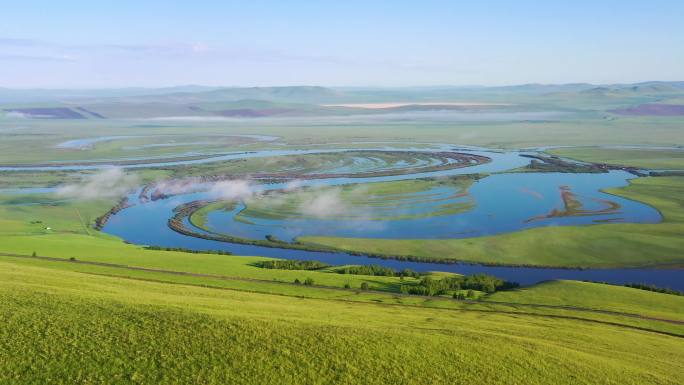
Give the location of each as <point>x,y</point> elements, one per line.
<point>83,45</point>
<point>360,87</point>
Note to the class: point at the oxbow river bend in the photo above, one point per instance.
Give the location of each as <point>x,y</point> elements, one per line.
<point>503,202</point>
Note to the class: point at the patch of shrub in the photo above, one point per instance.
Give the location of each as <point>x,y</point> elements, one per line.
<point>480,282</point>
<point>292,264</point>
<point>377,270</point>
<point>664,290</point>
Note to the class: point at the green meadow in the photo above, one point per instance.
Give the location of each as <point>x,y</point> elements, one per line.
<point>49,214</point>
<point>99,329</point>
<point>637,157</point>
<point>597,296</point>
<point>79,306</point>
<point>38,140</point>
<point>396,200</point>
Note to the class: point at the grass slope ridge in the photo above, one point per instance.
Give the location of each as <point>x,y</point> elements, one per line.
<point>596,296</point>
<point>605,245</point>
<point>64,327</point>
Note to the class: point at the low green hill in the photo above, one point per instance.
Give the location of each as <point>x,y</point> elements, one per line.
<point>597,296</point>
<point>63,327</point>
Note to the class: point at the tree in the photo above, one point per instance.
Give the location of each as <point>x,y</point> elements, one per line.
<point>364,286</point>
<point>309,281</point>
<point>297,282</point>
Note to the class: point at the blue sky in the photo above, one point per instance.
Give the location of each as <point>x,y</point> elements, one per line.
<point>338,43</point>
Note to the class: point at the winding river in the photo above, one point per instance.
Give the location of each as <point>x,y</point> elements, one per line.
<point>504,202</point>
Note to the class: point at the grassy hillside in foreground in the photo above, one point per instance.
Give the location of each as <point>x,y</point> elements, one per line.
<point>112,250</point>
<point>596,296</point>
<point>605,245</point>
<point>645,158</point>
<point>65,327</point>
<point>237,273</point>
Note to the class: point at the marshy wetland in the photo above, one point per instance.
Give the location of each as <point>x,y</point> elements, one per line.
<point>398,194</point>
<point>264,198</point>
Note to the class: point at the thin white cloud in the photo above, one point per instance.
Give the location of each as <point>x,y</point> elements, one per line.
<point>108,183</point>
<point>232,190</point>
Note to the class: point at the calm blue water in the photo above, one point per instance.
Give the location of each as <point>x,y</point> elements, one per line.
<point>503,203</point>
<point>150,229</point>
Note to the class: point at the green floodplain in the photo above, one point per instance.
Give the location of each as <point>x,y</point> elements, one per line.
<point>657,159</point>
<point>600,245</point>
<point>81,306</point>
<point>371,201</point>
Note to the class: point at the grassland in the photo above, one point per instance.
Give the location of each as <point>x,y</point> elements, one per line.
<point>199,217</point>
<point>110,250</point>
<point>604,245</point>
<point>240,273</point>
<point>122,312</point>
<point>124,141</point>
<point>49,214</point>
<point>355,163</point>
<point>165,333</point>
<point>89,308</point>
<point>34,141</point>
<point>644,158</point>
<point>596,296</point>
<point>30,179</point>
<point>375,201</point>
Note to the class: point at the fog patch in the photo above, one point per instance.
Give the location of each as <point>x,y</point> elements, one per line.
<point>325,204</point>
<point>233,190</point>
<point>109,183</point>
<point>175,187</point>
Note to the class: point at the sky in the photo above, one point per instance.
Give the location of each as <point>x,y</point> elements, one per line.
<point>150,43</point>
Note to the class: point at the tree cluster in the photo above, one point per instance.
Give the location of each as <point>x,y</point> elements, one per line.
<point>376,270</point>
<point>292,264</point>
<point>480,282</point>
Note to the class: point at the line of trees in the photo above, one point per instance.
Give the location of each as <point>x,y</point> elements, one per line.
<point>101,221</point>
<point>185,250</point>
<point>644,286</point>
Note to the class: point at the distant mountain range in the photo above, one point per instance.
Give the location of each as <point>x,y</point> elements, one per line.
<point>193,100</point>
